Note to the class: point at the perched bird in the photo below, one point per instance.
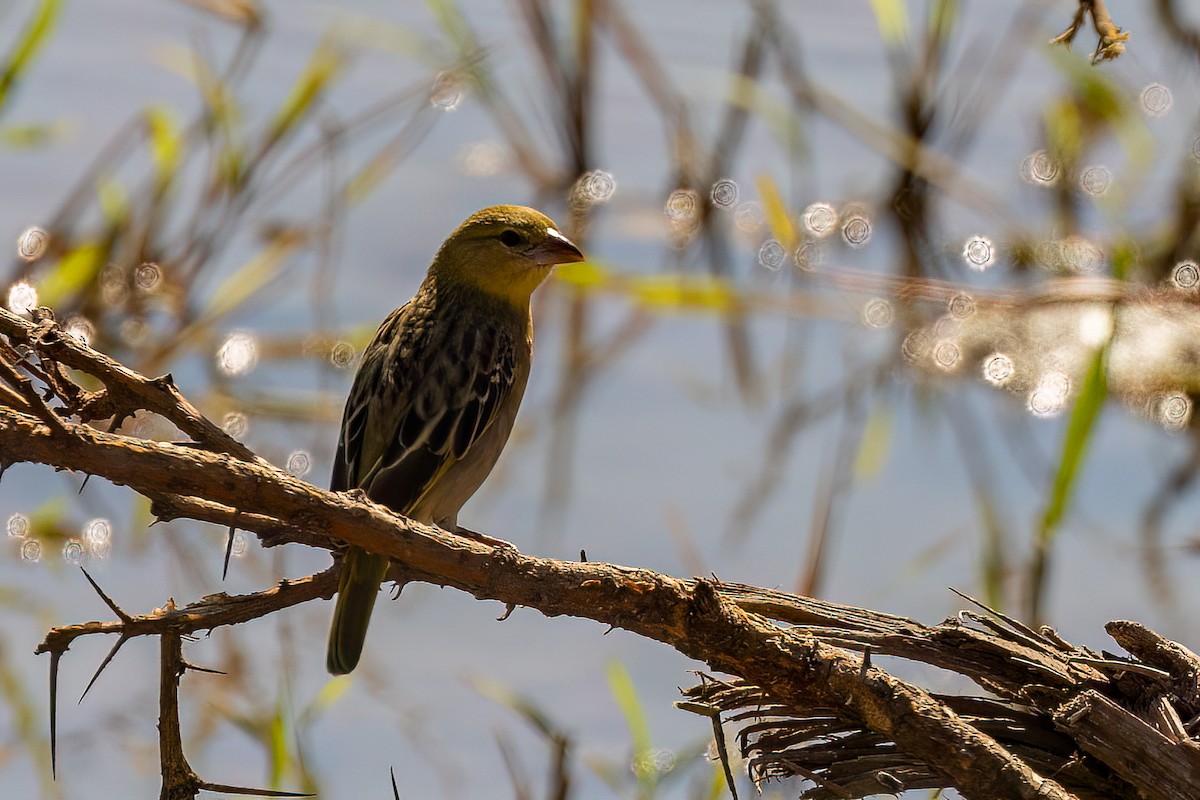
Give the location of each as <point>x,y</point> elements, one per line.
<point>437,391</point>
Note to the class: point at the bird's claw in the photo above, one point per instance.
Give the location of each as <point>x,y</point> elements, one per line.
<point>357,494</point>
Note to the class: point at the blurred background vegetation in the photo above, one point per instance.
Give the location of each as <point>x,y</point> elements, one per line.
<point>883,298</point>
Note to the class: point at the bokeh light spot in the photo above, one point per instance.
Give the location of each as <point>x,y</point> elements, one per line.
<point>148,277</point>
<point>856,229</point>
<point>1080,255</point>
<point>1095,326</point>
<point>22,298</point>
<point>1173,410</point>
<point>979,253</point>
<point>998,369</point>
<point>97,532</point>
<point>1157,100</point>
<point>31,551</point>
<point>18,525</point>
<point>961,306</point>
<point>32,244</point>
<point>683,205</point>
<point>725,193</point>
<point>1095,180</point>
<point>72,552</point>
<point>593,188</point>
<point>772,254</point>
<point>1049,396</point>
<point>748,217</point>
<point>1040,169</point>
<point>134,332</point>
<point>878,313</point>
<point>1186,275</point>
<point>447,92</point>
<point>238,354</point>
<point>81,328</point>
<point>238,548</point>
<point>481,159</point>
<point>916,346</point>
<point>236,424</point>
<point>299,463</point>
<point>807,257</point>
<point>820,220</point>
<point>342,355</point>
<point>653,763</point>
<point>946,354</point>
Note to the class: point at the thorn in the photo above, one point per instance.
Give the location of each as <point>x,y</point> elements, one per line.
<point>87,476</point>
<point>395,789</point>
<point>193,445</point>
<point>508,609</point>
<point>54,656</point>
<point>209,670</point>
<point>723,753</point>
<point>228,551</point>
<point>120,641</point>
<point>121,615</point>
<point>703,709</point>
<point>221,788</point>
<point>611,628</point>
<point>583,555</point>
<point>1014,623</point>
<point>866,662</point>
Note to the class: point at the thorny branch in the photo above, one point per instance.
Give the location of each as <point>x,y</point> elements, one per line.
<point>792,661</point>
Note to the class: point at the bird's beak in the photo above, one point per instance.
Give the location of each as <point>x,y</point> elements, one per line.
<point>555,249</point>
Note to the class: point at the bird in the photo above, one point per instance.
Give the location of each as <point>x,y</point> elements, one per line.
<point>437,390</point>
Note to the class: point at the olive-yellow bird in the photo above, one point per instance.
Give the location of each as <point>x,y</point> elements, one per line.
<point>437,391</point>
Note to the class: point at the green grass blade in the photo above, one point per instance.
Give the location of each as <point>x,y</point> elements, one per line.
<point>166,143</point>
<point>277,744</point>
<point>892,17</point>
<point>28,45</point>
<point>625,693</point>
<point>1079,432</point>
<point>322,68</point>
<point>776,212</point>
<point>77,270</point>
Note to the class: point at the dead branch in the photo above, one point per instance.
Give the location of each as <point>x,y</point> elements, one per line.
<point>1112,39</point>
<point>807,702</point>
<point>1162,768</point>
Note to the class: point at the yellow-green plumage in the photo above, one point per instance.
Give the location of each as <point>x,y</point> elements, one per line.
<point>436,394</point>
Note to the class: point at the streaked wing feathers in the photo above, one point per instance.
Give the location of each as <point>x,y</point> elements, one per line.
<point>419,401</point>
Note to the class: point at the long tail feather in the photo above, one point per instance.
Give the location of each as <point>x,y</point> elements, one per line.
<point>362,573</point>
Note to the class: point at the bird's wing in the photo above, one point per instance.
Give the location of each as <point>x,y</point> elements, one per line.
<point>421,403</point>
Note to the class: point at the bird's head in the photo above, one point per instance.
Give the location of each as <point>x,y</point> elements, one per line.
<point>506,251</point>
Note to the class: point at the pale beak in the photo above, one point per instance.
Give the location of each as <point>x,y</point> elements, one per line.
<point>555,249</point>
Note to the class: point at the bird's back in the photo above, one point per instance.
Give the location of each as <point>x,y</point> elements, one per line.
<point>433,403</point>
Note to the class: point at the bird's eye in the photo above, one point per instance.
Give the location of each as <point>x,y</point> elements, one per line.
<point>511,238</point>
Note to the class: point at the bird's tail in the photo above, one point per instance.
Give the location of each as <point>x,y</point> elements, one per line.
<point>362,573</point>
